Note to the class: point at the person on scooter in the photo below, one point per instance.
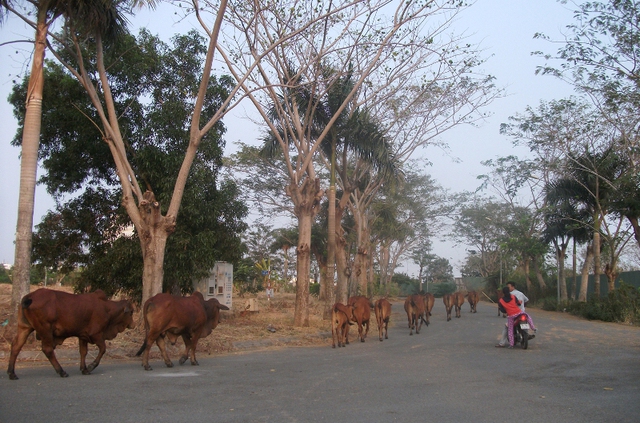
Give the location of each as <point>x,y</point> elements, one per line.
<point>510,305</point>
<point>523,299</point>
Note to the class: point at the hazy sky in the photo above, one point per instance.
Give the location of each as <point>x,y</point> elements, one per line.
<point>503,28</point>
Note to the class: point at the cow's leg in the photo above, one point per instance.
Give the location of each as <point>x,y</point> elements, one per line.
<point>18,342</point>
<point>187,346</point>
<point>163,350</point>
<point>48,347</point>
<point>83,347</point>
<point>346,334</point>
<point>194,344</point>
<point>102,348</point>
<point>360,329</point>
<point>367,331</point>
<point>386,328</point>
<point>334,333</point>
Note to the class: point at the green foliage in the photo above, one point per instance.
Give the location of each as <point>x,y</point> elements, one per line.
<point>391,290</point>
<point>406,284</point>
<point>4,275</point>
<point>621,305</point>
<point>441,289</point>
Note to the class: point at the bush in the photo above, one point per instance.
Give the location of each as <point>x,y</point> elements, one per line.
<point>440,289</point>
<point>621,305</point>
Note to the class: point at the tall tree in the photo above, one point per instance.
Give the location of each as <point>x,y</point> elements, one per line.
<point>98,18</point>
<point>399,48</point>
<point>157,133</point>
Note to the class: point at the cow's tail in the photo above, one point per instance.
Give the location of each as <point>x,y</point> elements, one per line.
<point>142,348</point>
<point>146,328</point>
<point>26,302</point>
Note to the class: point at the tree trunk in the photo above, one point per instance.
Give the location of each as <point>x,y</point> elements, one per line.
<point>28,172</point>
<point>636,228</point>
<point>306,200</point>
<point>342,268</point>
<point>574,284</point>
<point>303,265</point>
<point>153,239</point>
<point>536,268</point>
<point>612,275</point>
<point>597,271</point>
<point>584,285</point>
<point>328,291</point>
<point>526,262</point>
<point>561,250</point>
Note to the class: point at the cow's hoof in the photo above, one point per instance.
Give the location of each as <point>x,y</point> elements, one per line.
<point>182,360</point>
<point>13,376</point>
<point>147,367</point>
<point>169,364</point>
<point>195,363</point>
<point>63,374</point>
<point>86,371</point>
<point>386,337</point>
<point>92,367</point>
<point>380,339</point>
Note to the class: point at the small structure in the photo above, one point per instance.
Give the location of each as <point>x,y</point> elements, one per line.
<point>219,284</point>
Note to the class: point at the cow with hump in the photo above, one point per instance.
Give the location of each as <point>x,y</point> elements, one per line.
<point>169,316</point>
<point>361,314</point>
<point>382,310</point>
<point>57,315</point>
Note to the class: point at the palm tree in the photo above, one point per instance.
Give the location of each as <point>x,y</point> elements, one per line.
<point>89,17</point>
<point>589,183</point>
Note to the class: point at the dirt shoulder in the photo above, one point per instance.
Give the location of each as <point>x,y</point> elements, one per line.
<point>239,330</point>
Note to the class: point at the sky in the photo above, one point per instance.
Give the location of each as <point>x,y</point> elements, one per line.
<point>504,29</point>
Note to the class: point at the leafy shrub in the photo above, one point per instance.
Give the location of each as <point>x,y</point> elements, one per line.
<point>440,289</point>
<point>621,305</point>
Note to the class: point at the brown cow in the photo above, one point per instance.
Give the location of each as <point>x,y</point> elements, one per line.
<point>382,310</point>
<point>170,316</point>
<point>500,295</point>
<point>361,313</point>
<point>458,301</point>
<point>447,299</point>
<point>340,322</point>
<point>429,300</point>
<point>58,315</point>
<point>473,298</point>
<point>417,309</point>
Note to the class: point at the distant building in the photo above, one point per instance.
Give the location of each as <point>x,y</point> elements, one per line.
<point>7,266</point>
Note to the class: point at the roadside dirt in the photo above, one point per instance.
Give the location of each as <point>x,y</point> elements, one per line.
<point>269,327</point>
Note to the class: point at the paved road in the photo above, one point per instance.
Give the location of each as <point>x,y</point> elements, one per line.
<point>574,371</point>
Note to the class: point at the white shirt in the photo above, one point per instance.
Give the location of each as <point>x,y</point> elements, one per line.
<point>521,297</point>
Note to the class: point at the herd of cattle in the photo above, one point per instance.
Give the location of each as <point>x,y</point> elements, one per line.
<point>418,308</point>
<point>94,319</point>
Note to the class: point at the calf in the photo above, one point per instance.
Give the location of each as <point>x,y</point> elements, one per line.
<point>361,314</point>
<point>382,310</point>
<point>417,309</point>
<point>57,315</point>
<point>473,297</point>
<point>429,300</point>
<point>448,304</point>
<point>340,322</point>
<point>458,301</point>
<point>170,316</point>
